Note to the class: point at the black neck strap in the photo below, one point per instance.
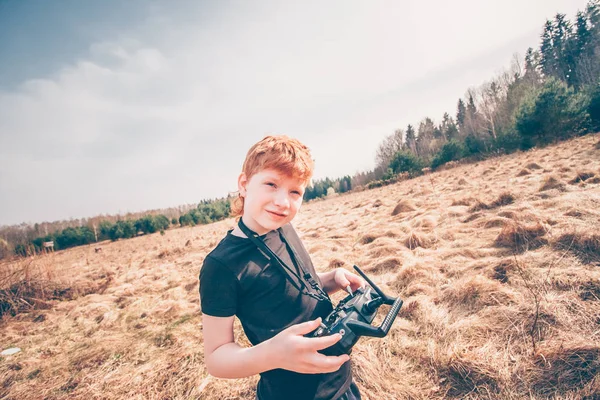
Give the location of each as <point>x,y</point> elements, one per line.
<point>297,279</point>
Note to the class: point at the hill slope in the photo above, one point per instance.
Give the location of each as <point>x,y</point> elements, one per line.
<point>497,263</point>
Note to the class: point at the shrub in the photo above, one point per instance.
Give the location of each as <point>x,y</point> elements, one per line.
<point>552,112</point>
<point>475,145</point>
<point>451,151</point>
<point>122,230</point>
<point>508,142</point>
<point>186,219</point>
<point>405,161</point>
<point>594,108</point>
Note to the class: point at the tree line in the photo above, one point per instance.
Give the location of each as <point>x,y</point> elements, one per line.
<point>27,240</point>
<point>553,94</point>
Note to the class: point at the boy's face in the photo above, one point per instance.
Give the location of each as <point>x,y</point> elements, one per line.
<point>271,199</point>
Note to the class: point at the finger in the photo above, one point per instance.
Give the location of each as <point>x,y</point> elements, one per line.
<point>305,327</point>
<point>355,281</point>
<point>325,363</point>
<point>343,281</point>
<point>323,342</point>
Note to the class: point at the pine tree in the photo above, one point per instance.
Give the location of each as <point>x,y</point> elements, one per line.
<point>547,58</point>
<point>561,42</point>
<point>532,75</point>
<point>461,113</point>
<point>411,139</point>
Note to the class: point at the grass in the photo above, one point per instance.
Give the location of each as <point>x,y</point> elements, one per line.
<point>499,282</point>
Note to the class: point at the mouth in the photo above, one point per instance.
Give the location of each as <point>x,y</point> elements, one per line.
<point>277,214</point>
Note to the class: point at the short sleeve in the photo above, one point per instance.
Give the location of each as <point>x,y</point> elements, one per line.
<point>218,289</point>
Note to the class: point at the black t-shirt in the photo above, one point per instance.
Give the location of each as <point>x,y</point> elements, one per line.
<point>237,279</point>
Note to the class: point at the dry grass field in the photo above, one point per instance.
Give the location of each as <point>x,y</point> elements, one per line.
<point>498,263</point>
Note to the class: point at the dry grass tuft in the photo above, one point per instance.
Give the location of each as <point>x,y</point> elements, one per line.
<point>533,165</point>
<point>590,291</point>
<point>504,199</point>
<point>25,290</point>
<point>463,375</point>
<point>408,311</point>
<point>472,217</point>
<point>478,206</point>
<point>368,238</point>
<point>520,237</point>
<point>415,239</point>
<point>582,177</point>
<point>462,202</point>
<point>387,265</point>
<point>471,294</point>
<point>552,183</point>
<point>560,368</point>
<point>336,263</point>
<point>385,251</point>
<point>586,246</point>
<point>403,206</point>
<point>501,270</point>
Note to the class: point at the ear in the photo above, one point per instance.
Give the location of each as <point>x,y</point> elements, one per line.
<point>242,182</point>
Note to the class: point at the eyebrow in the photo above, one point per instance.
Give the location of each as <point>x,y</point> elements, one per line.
<point>277,178</point>
<point>272,177</point>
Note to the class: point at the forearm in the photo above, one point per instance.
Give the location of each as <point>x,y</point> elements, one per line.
<point>232,361</point>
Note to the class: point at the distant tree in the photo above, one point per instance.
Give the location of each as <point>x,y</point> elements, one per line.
<point>186,220</point>
<point>461,114</point>
<point>425,138</point>
<point>561,35</point>
<point>547,54</point>
<point>594,108</point>
<point>553,112</point>
<point>451,151</point>
<point>104,228</point>
<point>411,139</point>
<point>405,161</point>
<point>448,127</point>
<point>122,229</point>
<point>161,222</point>
<point>390,146</point>
<point>532,65</point>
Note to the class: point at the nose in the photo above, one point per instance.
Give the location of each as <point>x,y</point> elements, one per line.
<point>281,199</point>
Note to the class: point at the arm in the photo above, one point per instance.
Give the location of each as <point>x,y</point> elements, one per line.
<point>288,350</point>
<point>226,359</point>
<point>340,278</point>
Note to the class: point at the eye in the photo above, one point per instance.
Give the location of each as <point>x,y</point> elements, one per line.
<point>271,184</point>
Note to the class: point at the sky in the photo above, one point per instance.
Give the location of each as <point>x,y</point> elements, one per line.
<point>114,107</point>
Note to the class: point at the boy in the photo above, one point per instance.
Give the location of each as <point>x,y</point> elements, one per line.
<point>269,289</point>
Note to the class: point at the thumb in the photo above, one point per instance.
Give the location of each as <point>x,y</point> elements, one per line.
<point>305,327</point>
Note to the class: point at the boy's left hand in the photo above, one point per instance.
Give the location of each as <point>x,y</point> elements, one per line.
<point>344,278</point>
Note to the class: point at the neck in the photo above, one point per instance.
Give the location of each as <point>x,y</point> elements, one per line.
<point>253,227</point>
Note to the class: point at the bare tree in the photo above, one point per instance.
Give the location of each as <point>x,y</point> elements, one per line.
<point>388,148</point>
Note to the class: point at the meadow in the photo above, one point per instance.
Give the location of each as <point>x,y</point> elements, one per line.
<point>497,261</point>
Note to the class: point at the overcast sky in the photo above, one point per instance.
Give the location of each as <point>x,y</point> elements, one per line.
<point>112,106</point>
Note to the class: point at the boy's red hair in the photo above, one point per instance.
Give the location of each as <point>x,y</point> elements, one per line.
<point>282,153</point>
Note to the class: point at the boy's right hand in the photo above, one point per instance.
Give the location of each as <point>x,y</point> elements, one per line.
<point>292,351</point>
